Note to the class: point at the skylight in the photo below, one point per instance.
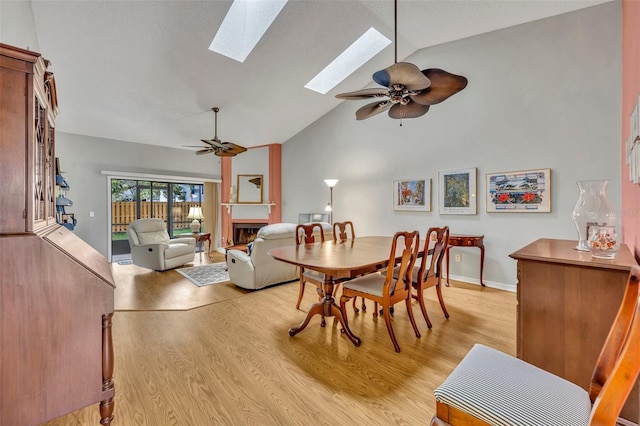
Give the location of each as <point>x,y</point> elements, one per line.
<point>242,28</point>
<point>366,47</point>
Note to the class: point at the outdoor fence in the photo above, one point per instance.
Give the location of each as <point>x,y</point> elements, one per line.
<point>124,212</point>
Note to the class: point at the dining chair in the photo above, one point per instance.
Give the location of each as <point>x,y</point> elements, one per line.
<point>306,234</point>
<point>385,289</point>
<point>489,387</point>
<point>429,272</point>
<point>343,232</point>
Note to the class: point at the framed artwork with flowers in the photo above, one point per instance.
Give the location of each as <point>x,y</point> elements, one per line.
<point>524,191</point>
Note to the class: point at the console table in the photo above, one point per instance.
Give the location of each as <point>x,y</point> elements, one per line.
<point>458,240</point>
<point>567,301</point>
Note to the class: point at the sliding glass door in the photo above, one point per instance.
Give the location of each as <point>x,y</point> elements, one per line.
<point>136,199</point>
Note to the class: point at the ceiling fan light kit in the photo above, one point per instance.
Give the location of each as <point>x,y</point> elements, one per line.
<point>216,146</point>
<point>409,91</point>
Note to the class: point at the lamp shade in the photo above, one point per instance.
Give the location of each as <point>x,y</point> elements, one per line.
<point>331,182</point>
<point>195,213</point>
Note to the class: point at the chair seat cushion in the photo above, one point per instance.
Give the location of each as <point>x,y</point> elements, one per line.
<point>313,275</point>
<point>175,250</point>
<point>414,273</point>
<point>370,284</point>
<point>503,390</point>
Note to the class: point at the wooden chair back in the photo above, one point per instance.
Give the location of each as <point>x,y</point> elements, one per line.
<point>305,233</point>
<point>343,231</point>
<point>434,262</point>
<point>400,288</point>
<point>618,365</point>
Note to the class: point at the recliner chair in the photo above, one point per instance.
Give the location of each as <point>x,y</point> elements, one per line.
<point>152,248</point>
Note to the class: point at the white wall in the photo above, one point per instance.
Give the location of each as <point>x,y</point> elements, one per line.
<point>16,25</point>
<point>540,95</point>
<point>83,158</point>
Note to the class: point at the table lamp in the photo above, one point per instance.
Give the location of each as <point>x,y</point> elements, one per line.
<point>195,213</point>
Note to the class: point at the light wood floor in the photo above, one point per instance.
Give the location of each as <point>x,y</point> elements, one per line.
<point>141,289</point>
<point>232,362</point>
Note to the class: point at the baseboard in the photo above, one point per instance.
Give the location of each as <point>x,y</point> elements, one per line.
<point>492,284</point>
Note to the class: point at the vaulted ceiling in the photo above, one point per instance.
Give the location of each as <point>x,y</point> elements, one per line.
<point>141,71</point>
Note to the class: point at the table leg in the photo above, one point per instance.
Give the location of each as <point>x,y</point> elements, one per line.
<point>481,263</point>
<point>327,307</point>
<point>448,256</point>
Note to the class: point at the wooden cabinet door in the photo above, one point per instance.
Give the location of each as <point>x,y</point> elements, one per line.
<point>28,107</point>
<point>16,134</point>
<point>44,197</point>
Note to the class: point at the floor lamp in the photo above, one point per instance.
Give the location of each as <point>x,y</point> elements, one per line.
<point>330,183</point>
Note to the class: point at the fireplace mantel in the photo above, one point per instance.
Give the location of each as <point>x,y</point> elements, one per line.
<point>272,201</point>
<point>230,206</point>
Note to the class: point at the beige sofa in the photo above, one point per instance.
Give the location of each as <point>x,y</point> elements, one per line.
<point>258,270</point>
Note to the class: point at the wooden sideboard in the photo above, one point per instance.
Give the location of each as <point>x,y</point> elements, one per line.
<point>567,301</point>
<point>56,291</point>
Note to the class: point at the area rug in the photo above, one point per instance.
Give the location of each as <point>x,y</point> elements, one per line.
<point>206,274</point>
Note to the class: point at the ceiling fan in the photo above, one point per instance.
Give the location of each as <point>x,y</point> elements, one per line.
<point>409,92</point>
<point>215,145</point>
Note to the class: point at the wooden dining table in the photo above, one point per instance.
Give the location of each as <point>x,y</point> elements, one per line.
<point>337,261</point>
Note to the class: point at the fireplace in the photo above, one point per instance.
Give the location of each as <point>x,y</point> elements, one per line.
<point>244,233</point>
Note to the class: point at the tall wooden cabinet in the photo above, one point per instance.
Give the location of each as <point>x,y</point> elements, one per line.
<point>567,301</point>
<point>56,291</point>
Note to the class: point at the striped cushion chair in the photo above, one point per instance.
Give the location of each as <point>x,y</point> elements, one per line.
<point>489,387</point>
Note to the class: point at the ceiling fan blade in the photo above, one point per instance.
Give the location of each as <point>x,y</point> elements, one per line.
<point>402,73</point>
<point>232,147</point>
<point>410,110</point>
<point>372,109</point>
<point>364,94</point>
<point>205,151</point>
<point>215,143</point>
<point>226,153</point>
<point>443,85</point>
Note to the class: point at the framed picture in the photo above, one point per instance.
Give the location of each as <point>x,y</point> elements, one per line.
<point>526,191</point>
<point>412,195</point>
<point>457,191</point>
